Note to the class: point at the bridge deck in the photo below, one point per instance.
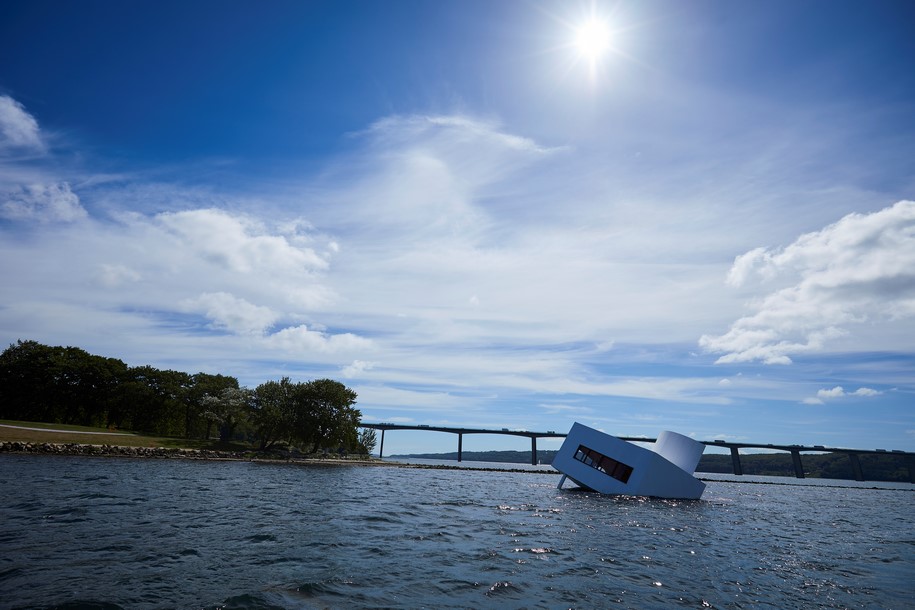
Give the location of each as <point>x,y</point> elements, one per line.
<point>794,450</point>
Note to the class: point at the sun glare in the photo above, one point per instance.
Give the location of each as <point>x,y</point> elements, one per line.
<point>592,39</point>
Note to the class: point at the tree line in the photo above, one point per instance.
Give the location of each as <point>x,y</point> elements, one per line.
<point>68,385</point>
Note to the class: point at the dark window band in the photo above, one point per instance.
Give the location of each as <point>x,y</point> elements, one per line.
<point>609,466</point>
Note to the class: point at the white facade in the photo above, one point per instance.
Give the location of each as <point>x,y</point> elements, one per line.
<point>609,465</point>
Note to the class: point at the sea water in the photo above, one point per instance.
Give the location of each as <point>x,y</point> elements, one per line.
<point>135,533</point>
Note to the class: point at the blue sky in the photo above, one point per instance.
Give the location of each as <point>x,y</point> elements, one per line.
<point>452,208</point>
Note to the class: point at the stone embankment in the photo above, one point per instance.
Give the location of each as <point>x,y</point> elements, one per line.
<point>117,450</point>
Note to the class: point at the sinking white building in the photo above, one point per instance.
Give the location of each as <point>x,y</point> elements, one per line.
<point>610,465</point>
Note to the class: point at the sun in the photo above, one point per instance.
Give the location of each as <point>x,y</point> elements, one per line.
<point>592,39</point>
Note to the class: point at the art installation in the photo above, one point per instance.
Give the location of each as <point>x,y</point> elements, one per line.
<point>606,464</point>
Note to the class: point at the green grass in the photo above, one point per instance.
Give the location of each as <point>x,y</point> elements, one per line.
<point>116,438</point>
<point>35,424</point>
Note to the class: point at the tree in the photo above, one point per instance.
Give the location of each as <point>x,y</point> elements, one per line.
<point>274,411</point>
<point>152,400</point>
<point>368,439</point>
<point>196,423</point>
<point>27,384</point>
<point>57,384</point>
<point>324,414</point>
<point>228,409</point>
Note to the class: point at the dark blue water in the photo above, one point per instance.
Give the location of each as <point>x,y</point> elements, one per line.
<point>107,533</point>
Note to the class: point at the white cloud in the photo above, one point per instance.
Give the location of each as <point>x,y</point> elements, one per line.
<point>572,410</point>
<point>833,393</point>
<point>232,313</point>
<point>357,368</point>
<point>301,340</point>
<point>18,128</point>
<point>41,203</point>
<point>239,243</point>
<point>838,392</point>
<point>856,273</point>
<point>112,276</point>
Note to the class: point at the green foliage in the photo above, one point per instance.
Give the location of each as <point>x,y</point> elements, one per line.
<point>368,439</point>
<point>324,415</point>
<point>315,415</point>
<point>274,412</point>
<point>229,409</point>
<point>196,423</point>
<point>58,384</point>
<point>66,385</point>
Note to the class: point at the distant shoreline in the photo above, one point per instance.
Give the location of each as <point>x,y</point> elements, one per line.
<point>116,451</point>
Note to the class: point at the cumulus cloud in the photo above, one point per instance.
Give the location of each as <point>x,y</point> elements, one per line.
<point>43,203</point>
<point>357,368</point>
<point>18,128</point>
<point>829,283</point>
<point>232,313</point>
<point>839,392</point>
<point>302,340</point>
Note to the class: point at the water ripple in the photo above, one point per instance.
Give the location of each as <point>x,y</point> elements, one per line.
<point>148,534</point>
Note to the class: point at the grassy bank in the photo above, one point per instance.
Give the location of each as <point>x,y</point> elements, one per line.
<point>63,434</point>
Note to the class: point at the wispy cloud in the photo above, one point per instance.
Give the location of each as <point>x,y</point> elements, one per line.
<point>41,203</point>
<point>27,194</point>
<point>18,128</point>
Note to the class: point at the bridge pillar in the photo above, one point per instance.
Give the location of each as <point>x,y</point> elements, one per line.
<point>856,467</point>
<point>533,451</point>
<point>735,460</point>
<point>460,445</point>
<point>381,449</point>
<point>798,468</point>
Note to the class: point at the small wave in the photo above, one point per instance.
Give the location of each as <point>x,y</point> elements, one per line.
<point>84,605</point>
<point>97,496</point>
<point>113,548</point>
<point>381,519</point>
<point>10,573</point>
<point>245,602</point>
<point>502,588</point>
<point>536,551</point>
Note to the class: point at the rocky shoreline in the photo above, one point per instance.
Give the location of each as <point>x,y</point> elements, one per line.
<point>81,449</point>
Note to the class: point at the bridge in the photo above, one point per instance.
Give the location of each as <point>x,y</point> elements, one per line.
<point>734,448</point>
